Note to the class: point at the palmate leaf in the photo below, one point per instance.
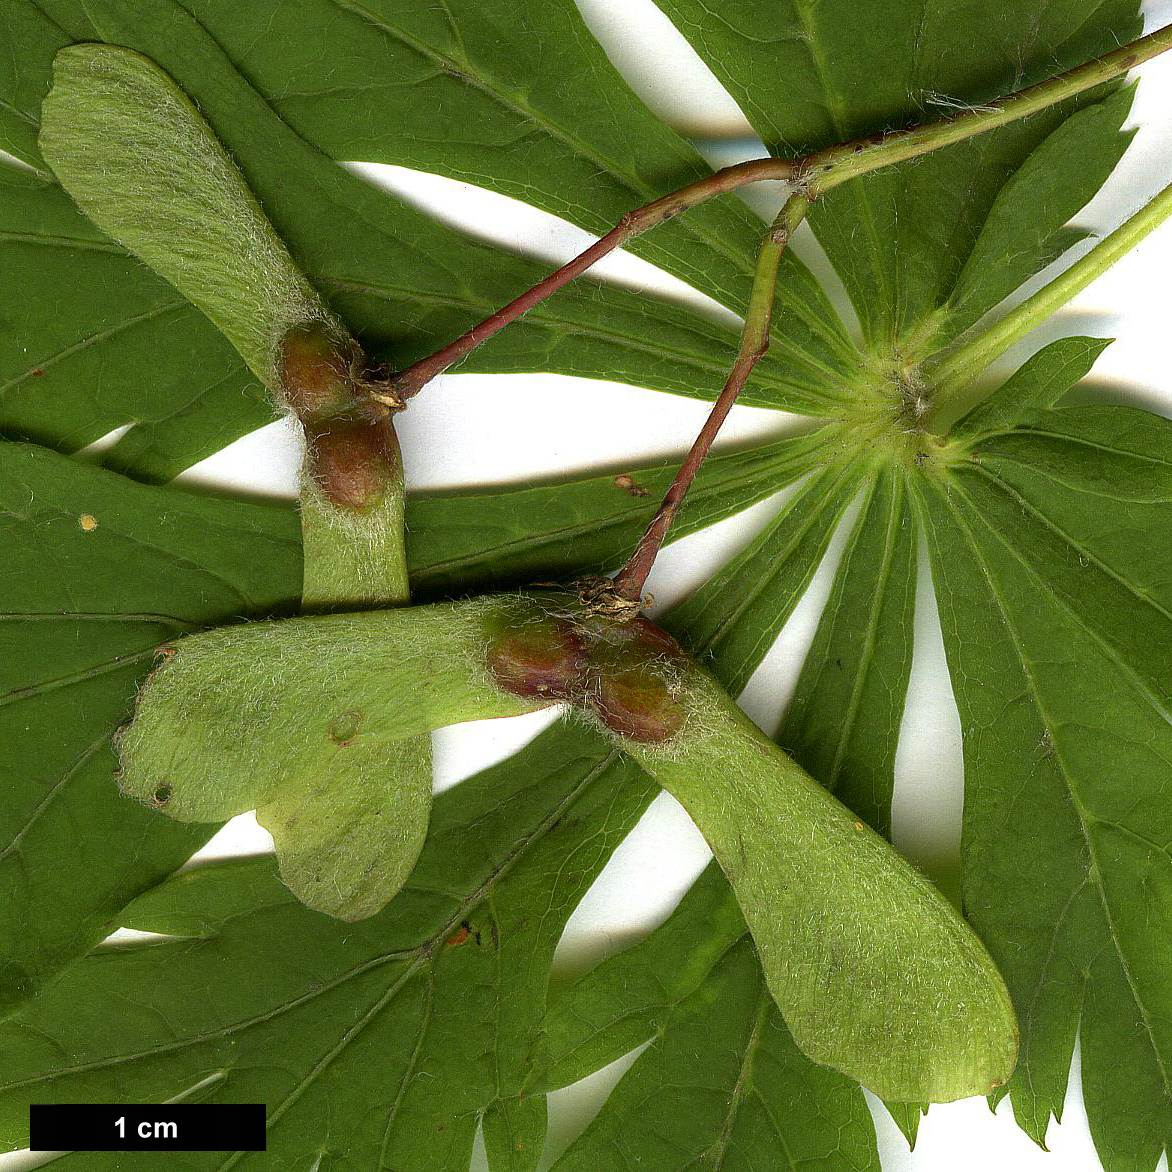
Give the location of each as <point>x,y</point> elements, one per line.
<point>1059,641</point>
<point>821,1109</point>
<point>446,986</point>
<point>1040,533</point>
<point>554,123</point>
<point>693,990</point>
<point>924,250</point>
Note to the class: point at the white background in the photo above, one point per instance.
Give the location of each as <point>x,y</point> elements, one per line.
<point>559,425</point>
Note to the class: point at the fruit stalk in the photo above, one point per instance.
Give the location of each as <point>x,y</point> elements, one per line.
<point>413,379</point>
<point>631,579</point>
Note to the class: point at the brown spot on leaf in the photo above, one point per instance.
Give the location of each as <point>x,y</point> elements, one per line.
<point>459,936</point>
<point>161,796</point>
<point>88,522</point>
<point>628,485</point>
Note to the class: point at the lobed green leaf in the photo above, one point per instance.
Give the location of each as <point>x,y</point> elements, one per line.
<point>692,992</point>
<point>400,286</point>
<point>736,616</point>
<point>843,722</point>
<point>1063,503</point>
<point>1060,666</point>
<point>97,572</point>
<point>394,1034</point>
<point>902,239</point>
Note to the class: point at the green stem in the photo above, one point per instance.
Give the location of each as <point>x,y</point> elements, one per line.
<point>812,176</point>
<point>957,369</point>
<point>828,168</point>
<point>630,580</point>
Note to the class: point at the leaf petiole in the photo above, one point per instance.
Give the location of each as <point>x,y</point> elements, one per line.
<point>959,367</point>
<point>828,168</point>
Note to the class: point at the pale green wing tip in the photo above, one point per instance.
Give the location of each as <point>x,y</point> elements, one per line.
<point>946,1084</point>
<point>88,53</point>
<point>939,1058</point>
<point>141,773</point>
<point>875,974</point>
<point>138,157</point>
<point>347,833</point>
<point>328,881</point>
<point>940,1079</point>
<point>74,67</point>
<point>149,768</point>
<point>347,844</point>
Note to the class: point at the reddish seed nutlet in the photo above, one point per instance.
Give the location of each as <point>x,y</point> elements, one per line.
<point>613,669</point>
<point>545,658</point>
<point>649,639</point>
<point>353,461</point>
<point>314,372</point>
<point>638,704</point>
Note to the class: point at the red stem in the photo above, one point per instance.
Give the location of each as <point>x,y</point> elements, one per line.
<point>820,172</point>
<point>629,582</point>
<point>414,378</point>
<point>631,579</point>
